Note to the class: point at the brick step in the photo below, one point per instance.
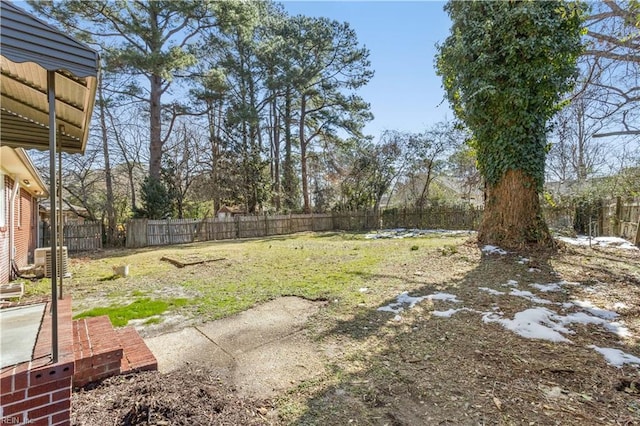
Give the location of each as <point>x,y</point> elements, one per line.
<point>137,356</point>
<point>97,350</point>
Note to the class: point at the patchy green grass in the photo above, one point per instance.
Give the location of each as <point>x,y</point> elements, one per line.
<point>41,287</point>
<point>141,308</point>
<point>153,320</point>
<point>326,266</point>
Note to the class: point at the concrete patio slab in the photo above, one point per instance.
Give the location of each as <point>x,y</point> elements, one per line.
<point>18,331</point>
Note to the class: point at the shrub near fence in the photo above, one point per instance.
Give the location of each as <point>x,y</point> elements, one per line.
<point>144,232</point>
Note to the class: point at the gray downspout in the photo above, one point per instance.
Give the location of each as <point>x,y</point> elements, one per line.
<point>12,223</point>
<point>51,85</point>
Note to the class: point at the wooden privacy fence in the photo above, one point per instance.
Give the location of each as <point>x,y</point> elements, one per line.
<point>77,237</point>
<point>621,218</point>
<point>616,217</point>
<point>455,218</point>
<point>144,232</point>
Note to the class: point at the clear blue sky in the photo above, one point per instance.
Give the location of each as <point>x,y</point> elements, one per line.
<point>405,93</point>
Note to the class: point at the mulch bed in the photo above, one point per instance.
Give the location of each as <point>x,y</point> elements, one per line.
<point>184,397</point>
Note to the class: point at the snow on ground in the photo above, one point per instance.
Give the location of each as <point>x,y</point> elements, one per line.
<point>548,287</point>
<point>412,233</point>
<point>530,296</point>
<point>491,291</point>
<point>583,240</point>
<point>545,288</point>
<point>449,313</point>
<point>534,323</point>
<point>616,357</point>
<point>594,310</point>
<point>404,299</point>
<point>489,249</point>
<point>537,322</point>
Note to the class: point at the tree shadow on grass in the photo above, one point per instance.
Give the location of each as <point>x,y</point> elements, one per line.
<point>424,369</point>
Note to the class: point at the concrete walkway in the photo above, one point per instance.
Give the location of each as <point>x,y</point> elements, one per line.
<point>262,351</point>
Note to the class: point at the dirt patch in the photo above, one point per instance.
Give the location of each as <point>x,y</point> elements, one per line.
<point>188,396</point>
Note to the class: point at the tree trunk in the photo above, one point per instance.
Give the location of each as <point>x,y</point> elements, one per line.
<point>288,184</point>
<point>110,210</point>
<point>303,157</point>
<point>132,185</point>
<point>275,151</point>
<point>155,127</point>
<point>512,216</point>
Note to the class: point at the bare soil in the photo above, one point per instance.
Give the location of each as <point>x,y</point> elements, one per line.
<point>420,369</point>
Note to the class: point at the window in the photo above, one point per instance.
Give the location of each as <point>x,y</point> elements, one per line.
<point>3,202</point>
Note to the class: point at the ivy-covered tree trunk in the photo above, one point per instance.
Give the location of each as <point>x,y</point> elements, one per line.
<point>512,213</point>
<point>505,67</point>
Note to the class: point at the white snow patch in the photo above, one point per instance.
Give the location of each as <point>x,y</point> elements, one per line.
<point>523,260</point>
<point>510,283</point>
<point>552,286</point>
<point>545,288</point>
<point>489,249</point>
<point>534,270</point>
<point>619,305</point>
<point>363,289</point>
<point>545,324</point>
<point>583,240</point>
<point>491,291</point>
<point>404,299</point>
<point>534,323</point>
<point>594,310</point>
<point>583,318</point>
<point>616,357</point>
<point>447,314</point>
<point>530,296</point>
<point>443,296</point>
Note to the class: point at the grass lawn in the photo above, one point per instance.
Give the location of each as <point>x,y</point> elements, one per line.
<point>318,267</point>
<point>440,362</point>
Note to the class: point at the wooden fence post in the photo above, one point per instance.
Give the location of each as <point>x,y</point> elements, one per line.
<point>617,220</point>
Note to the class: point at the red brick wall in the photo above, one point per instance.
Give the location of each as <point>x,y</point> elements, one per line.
<point>26,230</point>
<point>34,398</point>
